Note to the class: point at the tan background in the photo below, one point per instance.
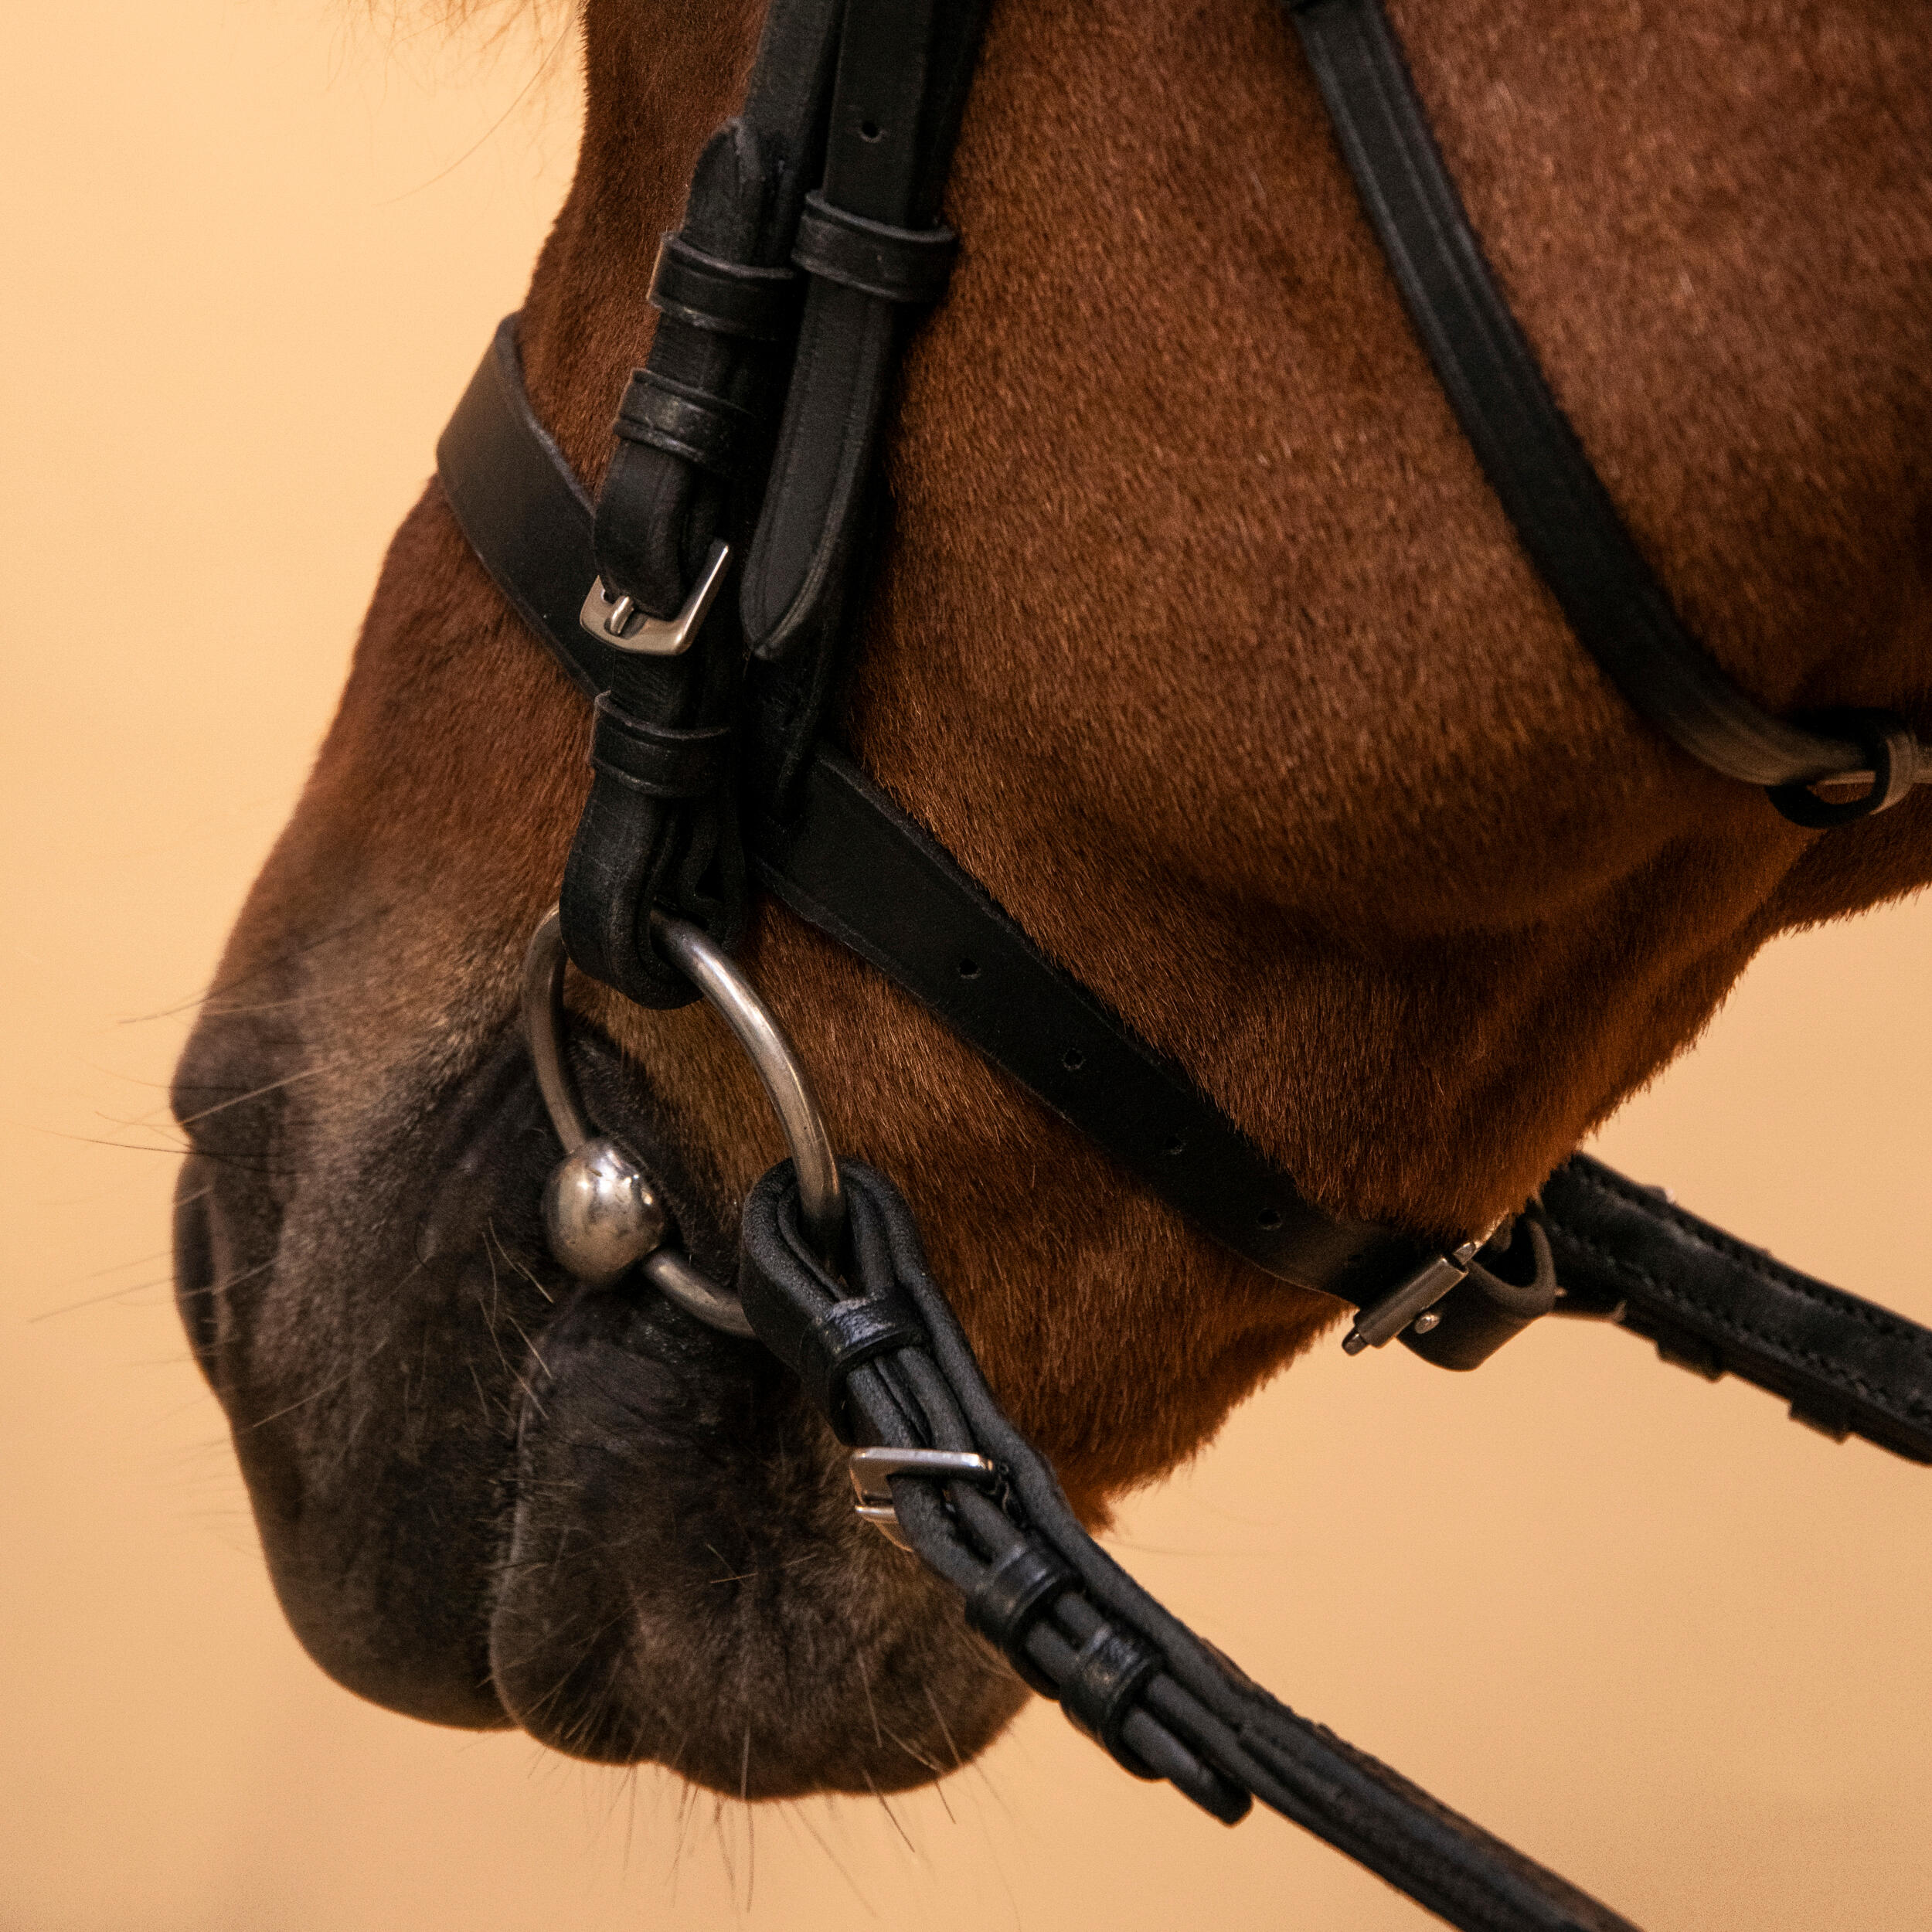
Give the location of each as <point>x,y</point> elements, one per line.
<point>1646,1627</point>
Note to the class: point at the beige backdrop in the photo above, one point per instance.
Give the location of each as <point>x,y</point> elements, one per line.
<point>1645,1627</point>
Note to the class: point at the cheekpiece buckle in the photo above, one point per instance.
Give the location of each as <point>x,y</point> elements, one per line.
<point>618,622</point>
<point>873,1469</point>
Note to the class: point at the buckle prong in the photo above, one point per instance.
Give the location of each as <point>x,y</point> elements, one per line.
<point>618,622</point>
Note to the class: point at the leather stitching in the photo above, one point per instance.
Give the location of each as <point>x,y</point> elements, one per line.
<point>1759,1265</point>
<point>1900,1402</point>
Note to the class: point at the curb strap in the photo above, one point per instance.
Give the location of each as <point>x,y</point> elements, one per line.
<point>883,1356</point>
<point>1564,516</point>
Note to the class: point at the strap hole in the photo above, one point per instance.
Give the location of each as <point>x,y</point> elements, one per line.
<point>1073,1059</point>
<point>1175,1145</point>
<point>1269,1217</point>
<point>869,131</point>
<point>969,969</point>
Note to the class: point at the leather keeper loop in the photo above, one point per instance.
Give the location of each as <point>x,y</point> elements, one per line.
<point>654,759</point>
<point>685,422</point>
<point>1108,1672</point>
<point>910,265</point>
<point>1890,748</point>
<point>841,1337</point>
<point>1011,1598</point>
<point>725,298</point>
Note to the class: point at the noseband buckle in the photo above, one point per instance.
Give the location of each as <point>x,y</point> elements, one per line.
<point>618,622</point>
<point>1410,1300</point>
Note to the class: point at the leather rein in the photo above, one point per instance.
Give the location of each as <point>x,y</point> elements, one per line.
<point>701,601</point>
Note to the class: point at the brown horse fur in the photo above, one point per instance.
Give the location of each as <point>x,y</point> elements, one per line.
<point>1201,642</point>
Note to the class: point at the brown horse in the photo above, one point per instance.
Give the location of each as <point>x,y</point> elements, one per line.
<point>1201,642</point>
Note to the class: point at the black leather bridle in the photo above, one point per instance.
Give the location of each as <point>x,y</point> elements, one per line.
<point>702,602</point>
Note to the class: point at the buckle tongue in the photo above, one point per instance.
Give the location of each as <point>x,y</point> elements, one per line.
<point>618,622</point>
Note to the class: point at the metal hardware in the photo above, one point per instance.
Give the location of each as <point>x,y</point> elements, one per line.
<point>822,1199</point>
<point>672,1272</point>
<point>602,1213</point>
<point>1382,1321</point>
<point>873,1469</point>
<point>1428,1321</point>
<point>543,1025</point>
<point>617,621</point>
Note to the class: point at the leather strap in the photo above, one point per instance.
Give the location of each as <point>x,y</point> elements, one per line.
<point>850,862</point>
<point>693,434</point>
<point>1564,516</point>
<point>1715,1305</point>
<point>869,245</point>
<point>1073,1623</point>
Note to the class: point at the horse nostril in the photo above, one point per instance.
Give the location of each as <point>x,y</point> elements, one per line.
<point>195,1259</point>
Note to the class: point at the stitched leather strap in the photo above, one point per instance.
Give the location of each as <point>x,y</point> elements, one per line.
<point>692,436</point>
<point>1713,1303</point>
<point>849,863</point>
<point>1563,515</point>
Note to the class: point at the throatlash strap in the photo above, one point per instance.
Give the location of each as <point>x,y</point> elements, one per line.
<point>1567,522</point>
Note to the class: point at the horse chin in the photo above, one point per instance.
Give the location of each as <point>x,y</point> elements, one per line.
<point>488,1495</point>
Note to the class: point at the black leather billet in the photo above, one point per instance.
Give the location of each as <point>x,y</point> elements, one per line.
<point>870,244</point>
<point>1713,1303</point>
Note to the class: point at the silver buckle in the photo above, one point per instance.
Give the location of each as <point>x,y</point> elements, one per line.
<point>873,1469</point>
<point>618,622</point>
<point>1410,1300</point>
